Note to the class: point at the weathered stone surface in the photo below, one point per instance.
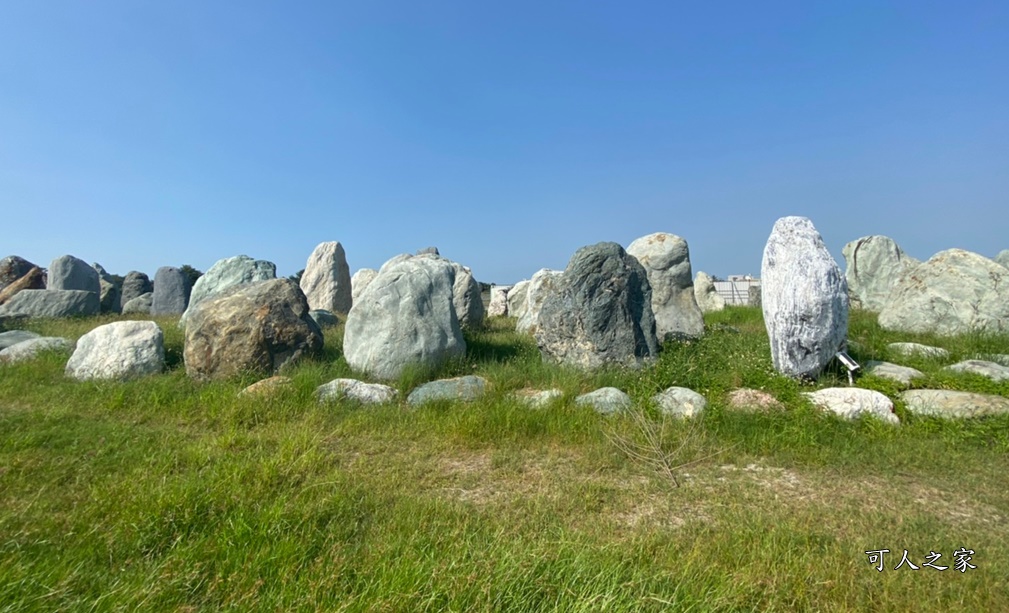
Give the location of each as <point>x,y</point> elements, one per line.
<point>498,301</point>
<point>326,280</point>
<point>467,389</point>
<point>109,296</point>
<point>543,283</point>
<point>33,279</point>
<point>225,274</point>
<point>30,348</point>
<point>600,312</point>
<point>874,264</point>
<point>518,296</point>
<point>917,349</point>
<point>135,284</point>
<point>171,292</point>
<point>466,298</point>
<point>405,317</point>
<point>954,292</point>
<point>428,251</point>
<point>361,279</point>
<point>119,350</point>
<point>1003,258</point>
<point>267,388</point>
<point>605,400</point>
<point>998,358</point>
<point>14,267</point>
<point>680,402</point>
<point>252,327</point>
<point>68,272</point>
<point>852,402</point>
<point>991,370</point>
<point>666,260</point>
<point>141,305</point>
<point>14,337</point>
<point>359,391</point>
<point>538,399</point>
<point>746,399</point>
<point>950,404</point>
<point>891,371</point>
<point>707,297</point>
<point>52,303</point>
<point>324,318</point>
<point>805,299</point>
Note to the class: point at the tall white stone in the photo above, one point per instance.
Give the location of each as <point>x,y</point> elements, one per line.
<point>326,280</point>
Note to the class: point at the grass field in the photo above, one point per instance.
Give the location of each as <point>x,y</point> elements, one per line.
<point>166,494</point>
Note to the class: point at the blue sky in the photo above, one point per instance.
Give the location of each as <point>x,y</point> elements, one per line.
<point>141,134</point>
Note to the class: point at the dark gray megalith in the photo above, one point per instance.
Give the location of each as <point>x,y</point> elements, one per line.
<point>171,292</point>
<point>12,268</point>
<point>135,284</point>
<point>600,313</point>
<point>326,280</point>
<point>405,317</point>
<point>110,294</point>
<point>666,259</point>
<point>874,264</point>
<point>805,299</point>
<point>68,272</point>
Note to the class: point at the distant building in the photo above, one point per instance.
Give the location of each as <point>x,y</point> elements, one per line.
<point>736,290</point>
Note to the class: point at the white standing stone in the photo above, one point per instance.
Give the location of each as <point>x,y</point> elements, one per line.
<point>543,283</point>
<point>708,298</point>
<point>326,280</point>
<point>498,301</point>
<point>361,279</point>
<point>518,297</point>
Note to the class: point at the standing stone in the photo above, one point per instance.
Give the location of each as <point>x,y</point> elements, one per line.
<point>805,299</point>
<point>135,284</point>
<point>252,327</point>
<point>33,279</point>
<point>405,317</point>
<point>109,296</point>
<point>119,350</point>
<point>874,264</point>
<point>600,313</point>
<point>227,273</point>
<point>52,303</point>
<point>543,284</point>
<point>707,297</point>
<point>498,301</point>
<point>518,296</point>
<point>361,279</point>
<point>954,292</point>
<point>666,259</point>
<point>171,292</point>
<point>68,272</point>
<point>326,280</point>
<point>1003,258</point>
<point>12,268</point>
<point>753,297</point>
<point>680,402</point>
<point>466,297</point>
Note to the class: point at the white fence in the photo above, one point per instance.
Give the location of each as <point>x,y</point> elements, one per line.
<point>736,291</point>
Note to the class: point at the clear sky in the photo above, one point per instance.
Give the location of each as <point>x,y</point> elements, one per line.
<point>140,134</point>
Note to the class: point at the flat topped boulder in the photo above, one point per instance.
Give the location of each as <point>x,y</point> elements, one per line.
<point>358,391</point>
<point>893,372</point>
<point>917,350</point>
<point>171,292</point>
<point>68,272</point>
<point>52,303</point>
<point>951,404</point>
<point>118,350</point>
<point>600,313</point>
<point>326,280</point>
<point>466,389</point>
<point>875,263</point>
<point>804,298</point>
<point>666,260</point>
<point>29,349</point>
<point>992,370</point>
<point>853,402</point>
<point>954,292</point>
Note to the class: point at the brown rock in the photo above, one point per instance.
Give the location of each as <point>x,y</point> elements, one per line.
<point>267,387</point>
<point>34,279</point>
<point>746,399</point>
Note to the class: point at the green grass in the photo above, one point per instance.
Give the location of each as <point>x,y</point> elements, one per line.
<point>166,494</point>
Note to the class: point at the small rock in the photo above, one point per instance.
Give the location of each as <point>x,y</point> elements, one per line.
<point>995,372</point>
<point>746,399</point>
<point>538,399</point>
<point>268,387</point>
<point>891,371</point>
<point>851,402</point>
<point>917,349</point>
<point>352,389</point>
<point>498,301</point>
<point>680,401</point>
<point>119,350</point>
<point>605,400</point>
<point>14,337</point>
<point>27,350</point>
<point>951,404</point>
<point>465,388</point>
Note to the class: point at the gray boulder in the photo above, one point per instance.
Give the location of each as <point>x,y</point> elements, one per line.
<point>326,280</point>
<point>109,298</point>
<point>707,297</point>
<point>605,400</point>
<point>12,268</point>
<point>405,317</point>
<point>253,327</point>
<point>225,274</point>
<point>805,299</point>
<point>361,279</point>
<point>135,284</point>
<point>600,312</point>
<point>853,402</point>
<point>1003,257</point>
<point>68,272</point>
<point>141,305</point>
<point>171,292</point>
<point>325,319</point>
<point>893,372</point>
<point>995,372</point>
<point>666,259</point>
<point>52,303</point>
<point>917,349</point>
<point>14,337</point>
<point>544,283</point>
<point>29,349</point>
<point>466,297</point>
<point>466,389</point>
<point>518,296</point>
<point>874,265</point>
<point>119,350</point>
<point>950,404</point>
<point>954,292</point>
<point>680,402</point>
<point>359,391</point>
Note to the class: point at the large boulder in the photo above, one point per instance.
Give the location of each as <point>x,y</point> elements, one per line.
<point>600,312</point>
<point>666,259</point>
<point>33,279</point>
<point>955,291</point>
<point>171,291</point>
<point>707,297</point>
<point>874,264</point>
<point>12,268</point>
<point>1003,258</point>
<point>518,297</point>
<point>52,303</point>
<point>109,297</point>
<point>361,279</point>
<point>405,317</point>
<point>68,272</point>
<point>118,350</point>
<point>253,327</point>
<point>804,298</point>
<point>227,273</point>
<point>141,305</point>
<point>135,284</point>
<point>326,280</point>
<point>543,284</point>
